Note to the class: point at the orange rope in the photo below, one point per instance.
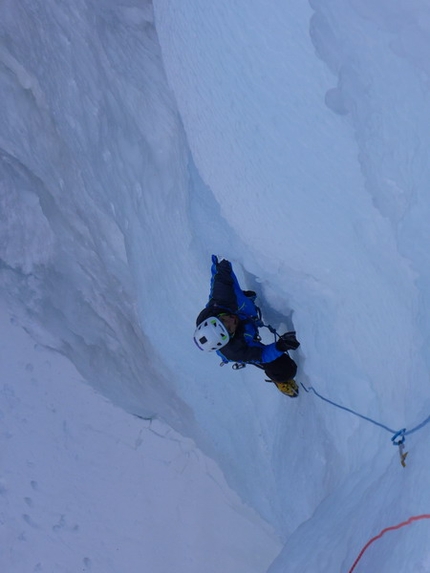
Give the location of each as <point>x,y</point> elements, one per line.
<point>408,522</point>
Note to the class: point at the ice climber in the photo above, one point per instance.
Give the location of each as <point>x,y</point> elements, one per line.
<point>229,325</point>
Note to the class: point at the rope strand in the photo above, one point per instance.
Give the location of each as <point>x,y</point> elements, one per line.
<point>350,410</point>
<point>392,528</point>
<point>398,438</point>
<point>398,435</point>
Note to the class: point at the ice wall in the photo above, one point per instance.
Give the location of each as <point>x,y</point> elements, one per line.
<point>293,143</point>
<point>86,121</point>
<point>292,178</point>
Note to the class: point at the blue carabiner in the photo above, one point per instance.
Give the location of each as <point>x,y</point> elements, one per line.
<point>401,441</point>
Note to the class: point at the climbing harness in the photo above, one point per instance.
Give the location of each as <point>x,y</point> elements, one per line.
<point>290,387</point>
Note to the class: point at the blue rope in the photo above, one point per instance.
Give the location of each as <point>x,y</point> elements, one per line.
<point>311,389</point>
<point>398,436</point>
<point>424,423</point>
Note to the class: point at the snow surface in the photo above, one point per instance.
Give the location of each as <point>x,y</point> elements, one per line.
<point>87,487</point>
<point>138,139</point>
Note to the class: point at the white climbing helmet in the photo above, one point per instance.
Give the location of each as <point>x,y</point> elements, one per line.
<point>211,334</point>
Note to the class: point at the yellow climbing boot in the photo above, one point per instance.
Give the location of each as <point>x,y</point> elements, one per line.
<point>289,388</point>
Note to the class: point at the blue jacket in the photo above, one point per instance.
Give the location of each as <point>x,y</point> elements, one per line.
<point>227,296</point>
